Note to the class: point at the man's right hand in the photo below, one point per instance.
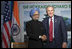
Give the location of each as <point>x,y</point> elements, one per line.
<point>44,38</point>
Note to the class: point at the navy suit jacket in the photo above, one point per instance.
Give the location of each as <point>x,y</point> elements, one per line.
<point>60,33</point>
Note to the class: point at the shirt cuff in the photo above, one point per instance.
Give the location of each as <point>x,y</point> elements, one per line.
<point>39,36</point>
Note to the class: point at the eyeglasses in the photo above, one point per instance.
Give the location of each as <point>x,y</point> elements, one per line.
<point>36,15</point>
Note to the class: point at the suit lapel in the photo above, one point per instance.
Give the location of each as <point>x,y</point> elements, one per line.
<point>55,24</point>
<point>48,23</point>
<point>47,28</point>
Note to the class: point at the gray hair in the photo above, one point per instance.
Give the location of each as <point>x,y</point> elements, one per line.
<point>49,6</point>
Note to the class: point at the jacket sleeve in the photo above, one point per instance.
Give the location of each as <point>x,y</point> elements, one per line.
<point>44,30</point>
<point>29,32</point>
<point>64,31</point>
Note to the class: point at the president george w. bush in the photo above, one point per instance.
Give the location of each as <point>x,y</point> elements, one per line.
<point>55,30</point>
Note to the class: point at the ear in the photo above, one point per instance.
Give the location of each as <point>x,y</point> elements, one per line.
<point>54,10</point>
<point>46,12</point>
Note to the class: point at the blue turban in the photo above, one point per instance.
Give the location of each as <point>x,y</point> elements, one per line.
<point>33,11</point>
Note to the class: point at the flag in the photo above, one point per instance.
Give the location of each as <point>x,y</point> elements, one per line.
<point>6,31</point>
<point>15,29</point>
<point>16,13</point>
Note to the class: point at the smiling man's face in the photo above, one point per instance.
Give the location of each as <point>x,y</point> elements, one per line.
<point>36,15</point>
<point>50,11</point>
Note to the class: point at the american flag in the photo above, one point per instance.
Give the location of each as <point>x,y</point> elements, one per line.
<point>6,32</point>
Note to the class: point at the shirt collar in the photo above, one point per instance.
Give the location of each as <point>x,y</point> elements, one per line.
<point>52,17</point>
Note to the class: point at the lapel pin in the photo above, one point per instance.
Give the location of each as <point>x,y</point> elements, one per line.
<point>55,20</point>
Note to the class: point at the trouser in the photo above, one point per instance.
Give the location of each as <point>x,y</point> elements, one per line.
<point>52,44</point>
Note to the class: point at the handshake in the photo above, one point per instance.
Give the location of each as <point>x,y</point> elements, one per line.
<point>43,37</point>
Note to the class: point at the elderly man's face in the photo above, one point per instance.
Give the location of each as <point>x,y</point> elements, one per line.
<point>36,15</point>
<point>50,11</point>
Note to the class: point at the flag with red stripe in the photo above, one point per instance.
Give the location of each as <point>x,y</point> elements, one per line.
<point>6,31</point>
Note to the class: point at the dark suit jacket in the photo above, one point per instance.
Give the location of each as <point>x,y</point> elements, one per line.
<point>34,29</point>
<point>60,33</point>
